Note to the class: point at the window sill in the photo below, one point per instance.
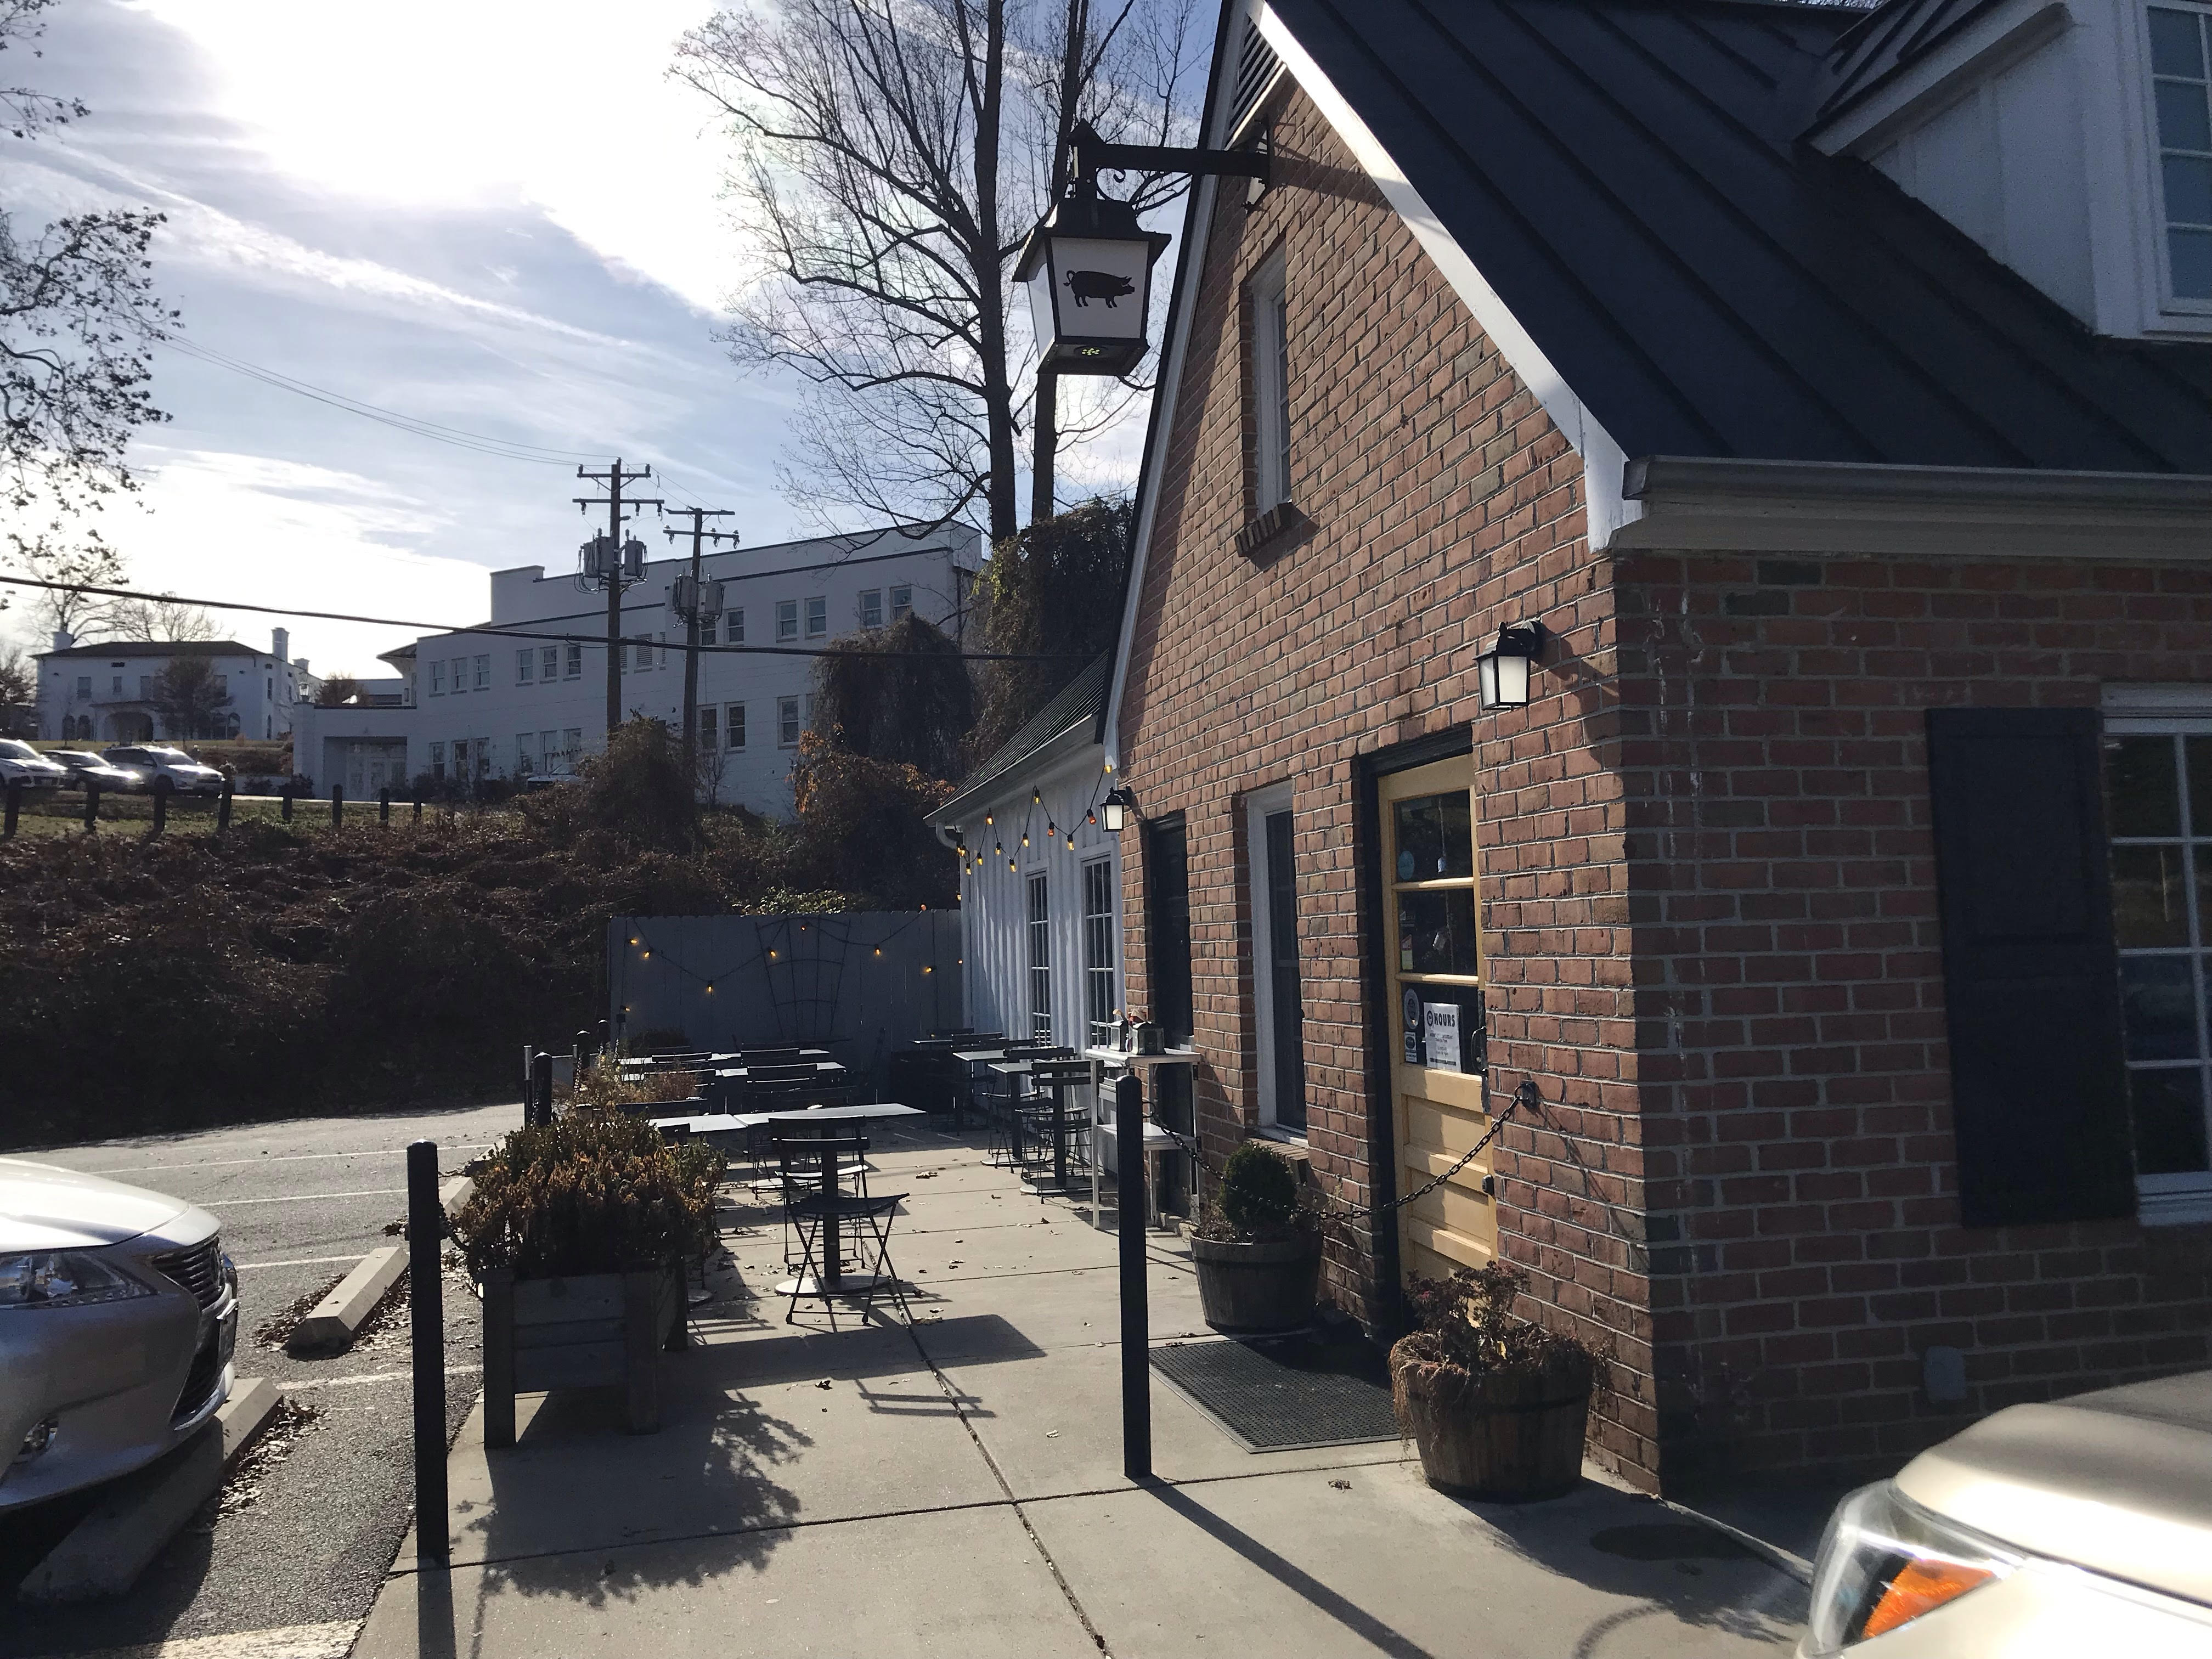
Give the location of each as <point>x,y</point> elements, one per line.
<point>1292,1141</point>
<point>2177,1205</point>
<point>1273,533</point>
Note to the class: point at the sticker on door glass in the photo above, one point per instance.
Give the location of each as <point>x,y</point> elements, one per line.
<point>1412,1008</point>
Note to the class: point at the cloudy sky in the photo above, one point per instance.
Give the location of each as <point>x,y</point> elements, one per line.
<point>494,215</point>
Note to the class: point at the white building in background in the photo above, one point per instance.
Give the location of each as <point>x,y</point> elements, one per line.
<point>483,704</point>
<point>104,692</point>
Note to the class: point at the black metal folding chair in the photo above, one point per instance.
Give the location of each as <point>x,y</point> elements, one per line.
<point>829,1219</point>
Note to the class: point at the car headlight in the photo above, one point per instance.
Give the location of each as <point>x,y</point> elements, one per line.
<point>64,1279</point>
<point>1886,1561</point>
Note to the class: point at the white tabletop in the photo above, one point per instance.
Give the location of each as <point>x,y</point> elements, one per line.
<point>973,1056</point>
<point>1123,1057</point>
<point>713,1123</point>
<point>1157,1140</point>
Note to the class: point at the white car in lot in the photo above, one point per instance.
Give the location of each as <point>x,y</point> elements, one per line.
<point>20,763</point>
<point>2082,1526</point>
<point>119,1314</point>
<point>155,761</point>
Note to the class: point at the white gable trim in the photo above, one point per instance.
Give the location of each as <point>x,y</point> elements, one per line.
<point>1604,464</point>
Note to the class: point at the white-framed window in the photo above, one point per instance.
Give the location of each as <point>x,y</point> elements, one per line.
<point>708,736</point>
<point>1102,1009</point>
<point>1278,996</point>
<point>2181,117</point>
<point>1268,302</point>
<point>871,608</point>
<point>642,653</point>
<point>484,671</point>
<point>525,665</point>
<point>734,726</point>
<point>817,616</point>
<point>787,621</point>
<point>84,685</point>
<point>571,747</point>
<point>145,684</point>
<point>902,601</point>
<point>575,663</point>
<point>437,679</point>
<point>2158,786</point>
<point>733,626</point>
<point>549,662</point>
<point>1039,927</point>
<point>438,762</point>
<point>548,752</point>
<point>786,722</point>
<point>526,747</point>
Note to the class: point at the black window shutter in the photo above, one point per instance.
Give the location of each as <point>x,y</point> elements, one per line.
<point>2031,982</point>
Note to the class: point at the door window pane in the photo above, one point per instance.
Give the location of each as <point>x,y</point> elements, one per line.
<point>1436,931</point>
<point>2145,794</point>
<point>2150,897</point>
<point>2158,998</point>
<point>1436,841</point>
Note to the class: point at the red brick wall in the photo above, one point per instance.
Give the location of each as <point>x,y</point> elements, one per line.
<point>1443,503</point>
<point>1795,1077</point>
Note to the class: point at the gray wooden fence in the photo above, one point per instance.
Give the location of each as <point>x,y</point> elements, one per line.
<point>863,984</point>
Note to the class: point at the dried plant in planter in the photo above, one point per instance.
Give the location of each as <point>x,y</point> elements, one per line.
<point>591,1192</point>
<point>1497,1404</point>
<point>603,1086</point>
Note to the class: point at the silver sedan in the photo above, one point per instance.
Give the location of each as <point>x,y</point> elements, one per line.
<point>119,1313</point>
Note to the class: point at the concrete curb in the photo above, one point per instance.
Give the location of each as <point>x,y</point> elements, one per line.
<point>134,1519</point>
<point>245,1414</point>
<point>330,1323</point>
<point>456,1193</point>
<point>1787,1561</point>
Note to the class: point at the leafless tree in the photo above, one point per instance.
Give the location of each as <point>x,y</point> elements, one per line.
<point>75,565</point>
<point>19,681</point>
<point>78,321</point>
<point>892,157</point>
<point>191,697</point>
<point>163,620</point>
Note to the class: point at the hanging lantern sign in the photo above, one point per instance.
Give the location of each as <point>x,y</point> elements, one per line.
<point>1088,267</point>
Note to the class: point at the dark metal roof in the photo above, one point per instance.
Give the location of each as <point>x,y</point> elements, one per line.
<point>1885,43</point>
<point>159,648</point>
<point>1074,716</point>
<point>1627,175</point>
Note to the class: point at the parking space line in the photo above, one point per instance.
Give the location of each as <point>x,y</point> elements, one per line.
<point>282,1157</point>
<point>303,1198</point>
<point>332,1641</point>
<point>298,1261</point>
<point>373,1377</point>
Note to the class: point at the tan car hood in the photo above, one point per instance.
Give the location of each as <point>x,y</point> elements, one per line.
<point>2119,1481</point>
<point>46,1208</point>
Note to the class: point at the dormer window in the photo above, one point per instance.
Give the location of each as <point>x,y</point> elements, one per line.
<point>2181,89</point>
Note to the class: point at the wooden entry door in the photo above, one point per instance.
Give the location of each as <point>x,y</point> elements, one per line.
<point>1433,970</point>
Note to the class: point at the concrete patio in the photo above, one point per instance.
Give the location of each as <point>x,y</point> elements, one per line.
<point>956,1488</point>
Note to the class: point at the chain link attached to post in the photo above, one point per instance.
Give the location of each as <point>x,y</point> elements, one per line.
<point>1525,1096</point>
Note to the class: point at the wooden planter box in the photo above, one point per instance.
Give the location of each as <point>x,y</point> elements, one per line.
<point>596,1330</point>
<point>1258,1287</point>
<point>1514,1436</point>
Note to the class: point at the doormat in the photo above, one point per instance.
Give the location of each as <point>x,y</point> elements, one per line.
<point>1285,1393</point>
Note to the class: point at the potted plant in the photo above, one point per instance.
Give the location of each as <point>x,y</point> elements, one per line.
<point>1258,1249</point>
<point>1498,1405</point>
<point>577,1233</point>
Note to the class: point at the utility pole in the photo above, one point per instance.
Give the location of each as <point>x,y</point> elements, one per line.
<point>698,602</point>
<point>616,565</point>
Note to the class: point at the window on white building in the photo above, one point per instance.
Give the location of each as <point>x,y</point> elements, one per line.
<point>1101,1007</point>
<point>787,621</point>
<point>643,656</point>
<point>817,616</point>
<point>525,665</point>
<point>734,728</point>
<point>525,750</point>
<point>708,738</point>
<point>549,662</point>
<point>733,627</point>
<point>484,672</point>
<point>902,602</point>
<point>871,608</point>
<point>438,762</point>
<point>2181,88</point>
<point>1039,955</point>
<point>571,747</point>
<point>575,663</point>
<point>786,722</point>
<point>84,685</point>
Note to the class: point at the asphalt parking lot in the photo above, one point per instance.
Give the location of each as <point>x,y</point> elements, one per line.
<point>306,1528</point>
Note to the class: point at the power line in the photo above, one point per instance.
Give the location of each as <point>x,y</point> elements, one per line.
<point>508,632</point>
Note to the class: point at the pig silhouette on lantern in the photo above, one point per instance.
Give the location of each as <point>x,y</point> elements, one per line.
<point>1089,285</point>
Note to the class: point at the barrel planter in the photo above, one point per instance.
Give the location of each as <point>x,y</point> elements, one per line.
<point>1265,1286</point>
<point>595,1330</point>
<point>1511,1435</point>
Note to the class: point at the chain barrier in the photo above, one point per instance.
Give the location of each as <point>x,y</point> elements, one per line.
<point>1331,1210</point>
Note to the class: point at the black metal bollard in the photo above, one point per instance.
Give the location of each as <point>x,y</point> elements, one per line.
<point>285,796</point>
<point>541,1085</point>
<point>418,806</point>
<point>160,805</point>
<point>583,1056</point>
<point>223,807</point>
<point>91,807</point>
<point>337,806</point>
<point>15,809</point>
<point>384,807</point>
<point>1136,1312</point>
<point>426,1318</point>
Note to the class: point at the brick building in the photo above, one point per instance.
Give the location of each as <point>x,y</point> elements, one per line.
<point>1834,885</point>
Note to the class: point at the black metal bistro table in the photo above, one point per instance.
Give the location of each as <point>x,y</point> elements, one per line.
<point>833,1275</point>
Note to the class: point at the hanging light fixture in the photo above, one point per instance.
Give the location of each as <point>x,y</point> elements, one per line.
<point>1118,804</point>
<point>1501,673</point>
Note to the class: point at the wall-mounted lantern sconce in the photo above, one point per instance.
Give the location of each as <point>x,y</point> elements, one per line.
<point>1502,672</point>
<point>1118,804</point>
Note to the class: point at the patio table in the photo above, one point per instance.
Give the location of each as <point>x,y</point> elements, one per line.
<point>1100,1058</point>
<point>833,1273</point>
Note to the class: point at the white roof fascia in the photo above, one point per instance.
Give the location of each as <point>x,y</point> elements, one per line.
<point>1603,461</point>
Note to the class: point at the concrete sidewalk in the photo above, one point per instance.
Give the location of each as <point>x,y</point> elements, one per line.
<point>956,1487</point>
